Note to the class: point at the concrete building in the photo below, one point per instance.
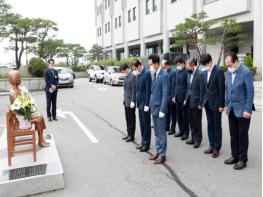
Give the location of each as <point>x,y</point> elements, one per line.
<point>139,27</point>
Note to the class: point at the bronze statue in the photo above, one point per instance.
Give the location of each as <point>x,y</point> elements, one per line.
<point>37,119</point>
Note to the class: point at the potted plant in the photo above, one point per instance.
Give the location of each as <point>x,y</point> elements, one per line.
<point>24,107</point>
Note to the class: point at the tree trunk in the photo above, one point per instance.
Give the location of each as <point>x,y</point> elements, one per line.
<point>222,48</point>
<point>16,52</point>
<point>21,53</point>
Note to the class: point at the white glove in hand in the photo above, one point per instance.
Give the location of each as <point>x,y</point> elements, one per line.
<point>146,108</point>
<point>132,105</point>
<point>161,114</point>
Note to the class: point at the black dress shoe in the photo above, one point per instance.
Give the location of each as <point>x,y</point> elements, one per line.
<point>145,148</point>
<point>49,119</point>
<point>215,153</point>
<point>178,135</point>
<point>167,129</point>
<point>139,147</point>
<point>125,138</point>
<point>55,119</point>
<point>130,139</point>
<point>240,165</point>
<point>184,137</point>
<point>230,161</point>
<point>190,142</point>
<point>171,132</point>
<point>209,150</point>
<point>196,145</point>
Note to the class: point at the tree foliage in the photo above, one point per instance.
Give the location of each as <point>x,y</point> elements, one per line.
<point>96,52</point>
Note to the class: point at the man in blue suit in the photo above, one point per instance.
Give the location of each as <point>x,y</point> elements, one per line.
<point>143,93</point>
<point>171,112</point>
<point>239,101</point>
<point>179,95</point>
<point>158,107</point>
<point>214,102</point>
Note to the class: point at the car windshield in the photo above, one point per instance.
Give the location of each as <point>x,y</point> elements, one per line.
<point>99,67</point>
<point>115,70</point>
<point>63,71</point>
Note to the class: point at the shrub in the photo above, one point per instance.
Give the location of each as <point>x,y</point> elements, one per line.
<point>248,61</point>
<point>37,66</point>
<point>62,64</point>
<point>78,69</point>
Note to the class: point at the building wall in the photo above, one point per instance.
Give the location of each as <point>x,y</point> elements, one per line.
<point>118,32</point>
<point>132,27</point>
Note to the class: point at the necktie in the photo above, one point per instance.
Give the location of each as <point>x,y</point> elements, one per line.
<point>154,76</point>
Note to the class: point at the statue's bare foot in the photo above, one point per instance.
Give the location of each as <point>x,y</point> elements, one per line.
<point>43,143</point>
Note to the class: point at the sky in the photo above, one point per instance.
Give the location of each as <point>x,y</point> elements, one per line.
<point>75,19</point>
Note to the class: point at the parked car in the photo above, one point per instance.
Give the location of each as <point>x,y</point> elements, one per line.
<point>65,77</point>
<point>96,73</point>
<point>113,76</point>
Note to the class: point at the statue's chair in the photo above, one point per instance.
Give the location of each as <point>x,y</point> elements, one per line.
<point>17,137</point>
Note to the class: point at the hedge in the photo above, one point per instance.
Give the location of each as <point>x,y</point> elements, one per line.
<point>37,66</point>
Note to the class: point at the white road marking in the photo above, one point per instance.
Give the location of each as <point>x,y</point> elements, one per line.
<point>102,89</point>
<point>60,113</point>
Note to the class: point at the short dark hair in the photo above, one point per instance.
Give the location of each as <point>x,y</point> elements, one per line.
<point>192,62</point>
<point>179,60</point>
<point>136,63</point>
<point>167,62</point>
<point>205,59</point>
<point>51,60</point>
<point>123,67</point>
<point>155,58</point>
<point>233,56</point>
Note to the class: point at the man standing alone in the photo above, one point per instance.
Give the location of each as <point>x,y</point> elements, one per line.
<point>51,89</point>
<point>129,101</point>
<point>158,107</point>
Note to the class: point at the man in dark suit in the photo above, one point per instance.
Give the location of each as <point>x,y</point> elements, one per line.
<point>51,89</point>
<point>143,93</point>
<point>129,101</point>
<point>171,112</point>
<point>158,107</point>
<point>179,95</point>
<point>194,101</point>
<point>214,102</point>
<point>239,101</point>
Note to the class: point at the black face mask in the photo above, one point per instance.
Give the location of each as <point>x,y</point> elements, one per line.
<point>190,71</point>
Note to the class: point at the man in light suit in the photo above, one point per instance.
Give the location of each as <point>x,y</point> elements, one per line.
<point>194,101</point>
<point>239,101</point>
<point>143,93</point>
<point>171,112</point>
<point>158,107</point>
<point>214,102</point>
<point>129,101</point>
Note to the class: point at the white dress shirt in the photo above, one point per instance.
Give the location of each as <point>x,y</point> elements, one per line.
<point>209,73</point>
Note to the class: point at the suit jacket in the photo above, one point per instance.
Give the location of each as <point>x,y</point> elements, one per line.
<point>51,78</point>
<point>180,85</point>
<point>240,94</point>
<point>172,76</point>
<point>194,95</point>
<point>159,93</point>
<point>214,90</point>
<point>129,89</point>
<point>143,88</point>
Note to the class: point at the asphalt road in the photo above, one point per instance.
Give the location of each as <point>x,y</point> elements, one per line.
<point>113,167</point>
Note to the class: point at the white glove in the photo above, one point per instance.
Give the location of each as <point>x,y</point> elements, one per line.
<point>146,108</point>
<point>132,105</point>
<point>161,115</point>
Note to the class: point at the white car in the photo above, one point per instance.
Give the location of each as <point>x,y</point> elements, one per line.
<point>96,73</point>
<point>65,77</point>
<point>113,76</point>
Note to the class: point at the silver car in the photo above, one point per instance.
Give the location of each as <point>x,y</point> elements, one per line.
<point>112,76</point>
<point>65,77</point>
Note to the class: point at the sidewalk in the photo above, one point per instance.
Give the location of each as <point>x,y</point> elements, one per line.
<point>258,95</point>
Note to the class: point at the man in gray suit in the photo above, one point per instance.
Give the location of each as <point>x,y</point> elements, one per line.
<point>158,107</point>
<point>129,101</point>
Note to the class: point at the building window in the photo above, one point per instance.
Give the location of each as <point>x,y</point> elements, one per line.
<point>116,23</point>
<point>154,6</point>
<point>108,26</point>
<point>209,1</point>
<point>119,21</point>
<point>147,11</point>
<point>129,16</point>
<point>172,1</point>
<point>134,14</point>
<point>106,3</point>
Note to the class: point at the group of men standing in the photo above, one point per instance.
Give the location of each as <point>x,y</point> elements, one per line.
<point>179,96</point>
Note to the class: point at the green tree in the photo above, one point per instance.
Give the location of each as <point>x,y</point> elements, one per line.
<point>230,35</point>
<point>96,52</point>
<point>37,66</point>
<point>44,31</point>
<point>194,31</point>
<point>19,31</point>
<point>72,53</point>
<point>4,9</point>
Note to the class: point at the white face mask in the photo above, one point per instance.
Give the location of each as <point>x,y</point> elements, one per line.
<point>136,72</point>
<point>179,67</point>
<point>231,69</point>
<point>204,68</point>
<point>152,69</point>
<point>125,74</point>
